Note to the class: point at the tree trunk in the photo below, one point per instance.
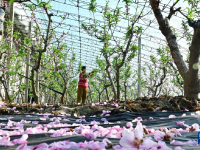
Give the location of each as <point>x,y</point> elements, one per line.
<point>2,97</point>
<point>35,94</point>
<point>125,87</point>
<point>66,98</point>
<point>190,76</point>
<point>118,84</point>
<point>64,91</point>
<point>191,82</point>
<point>5,88</point>
<point>112,83</point>
<point>99,97</point>
<point>107,94</point>
<point>90,94</point>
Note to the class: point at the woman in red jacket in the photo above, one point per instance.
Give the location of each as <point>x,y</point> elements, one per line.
<point>82,86</point>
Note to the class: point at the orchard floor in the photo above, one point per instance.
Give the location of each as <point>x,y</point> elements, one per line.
<point>156,113</point>
<point>160,120</point>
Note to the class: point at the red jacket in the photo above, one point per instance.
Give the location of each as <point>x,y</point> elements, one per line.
<point>83,82</point>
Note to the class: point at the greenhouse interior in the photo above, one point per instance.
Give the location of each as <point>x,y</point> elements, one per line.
<point>99,74</point>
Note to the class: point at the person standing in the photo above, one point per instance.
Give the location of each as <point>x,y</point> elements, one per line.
<point>82,86</point>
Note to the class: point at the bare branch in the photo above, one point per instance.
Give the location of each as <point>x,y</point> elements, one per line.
<point>162,78</point>
<point>178,79</point>
<point>175,3</point>
<point>184,15</point>
<point>172,12</point>
<point>130,37</point>
<point>165,6</point>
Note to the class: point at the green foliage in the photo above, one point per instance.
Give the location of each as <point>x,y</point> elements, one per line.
<point>153,58</point>
<point>11,1</point>
<point>86,75</point>
<point>193,9</point>
<point>92,6</point>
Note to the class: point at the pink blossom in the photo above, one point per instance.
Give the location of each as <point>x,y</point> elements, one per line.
<point>66,120</point>
<point>96,103</point>
<point>28,116</point>
<point>129,125</point>
<point>197,112</point>
<point>58,146</point>
<point>157,137</point>
<point>24,147</point>
<point>13,108</point>
<point>157,108</point>
<point>94,122</point>
<point>137,119</point>
<point>5,141</point>
<point>180,123</point>
<point>106,141</point>
<point>150,118</point>
<point>134,139</point>
<point>179,148</point>
<point>117,147</point>
<point>58,133</point>
<point>103,119</point>
<point>116,105</point>
<point>192,143</point>
<point>177,143</point>
<point>72,145</point>
<point>35,122</point>
<point>162,146</point>
<point>96,145</point>
<point>88,134</point>
<point>186,109</point>
<point>42,146</point>
<point>10,123</point>
<point>172,116</point>
<point>183,115</point>
<point>195,126</point>
<point>68,115</point>
<point>21,140</point>
<point>43,119</point>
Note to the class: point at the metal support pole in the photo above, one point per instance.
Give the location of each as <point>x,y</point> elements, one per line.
<point>27,67</point>
<point>139,67</point>
<point>79,27</point>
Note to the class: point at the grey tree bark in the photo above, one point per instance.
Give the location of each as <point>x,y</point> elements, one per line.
<point>189,75</point>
